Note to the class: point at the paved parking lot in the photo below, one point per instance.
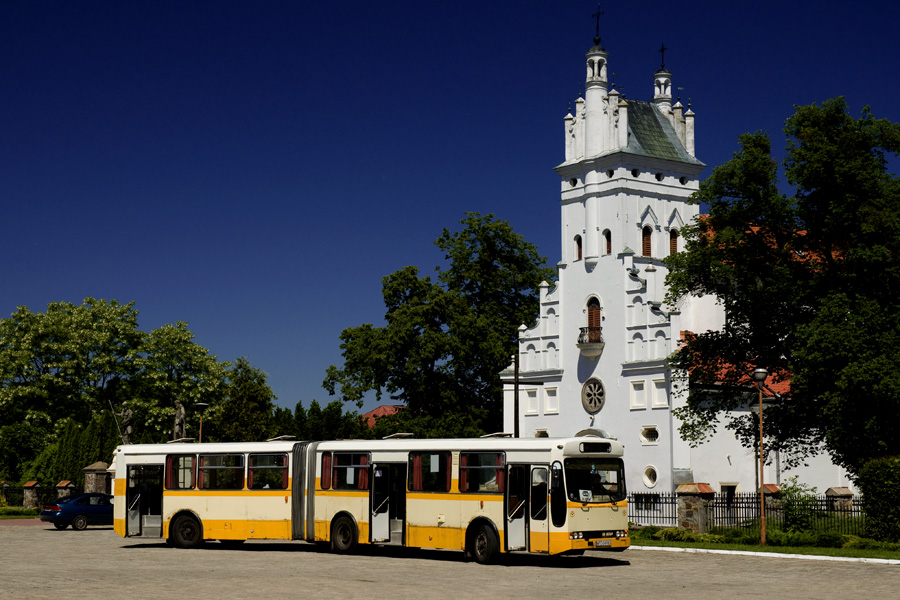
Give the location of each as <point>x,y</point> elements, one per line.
<point>41,562</point>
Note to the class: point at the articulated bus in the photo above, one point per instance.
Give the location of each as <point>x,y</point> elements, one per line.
<point>483,496</point>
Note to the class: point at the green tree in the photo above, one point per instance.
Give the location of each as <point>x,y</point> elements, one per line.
<point>283,423</point>
<point>809,281</point>
<point>78,364</point>
<point>69,361</point>
<point>330,423</point>
<point>445,341</point>
<point>246,413</point>
<point>174,368</point>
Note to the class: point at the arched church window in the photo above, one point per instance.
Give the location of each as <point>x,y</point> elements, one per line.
<point>577,247</point>
<point>531,359</point>
<point>552,356</point>
<point>647,241</point>
<point>594,318</point>
<point>673,241</point>
<point>637,347</point>
<point>607,237</point>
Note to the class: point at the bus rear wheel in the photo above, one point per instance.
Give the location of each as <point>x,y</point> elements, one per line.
<point>484,546</point>
<point>343,535</point>
<point>186,532</point>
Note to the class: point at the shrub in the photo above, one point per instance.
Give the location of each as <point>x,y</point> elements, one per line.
<point>645,533</point>
<point>671,534</point>
<point>829,539</point>
<point>858,543</point>
<point>775,537</point>
<point>799,505</point>
<point>18,511</point>
<point>879,481</point>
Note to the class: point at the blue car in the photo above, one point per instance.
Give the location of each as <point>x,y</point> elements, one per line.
<point>79,511</point>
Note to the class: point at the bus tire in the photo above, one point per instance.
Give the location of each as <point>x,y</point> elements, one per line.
<point>79,522</point>
<point>343,535</point>
<point>187,532</point>
<point>484,545</point>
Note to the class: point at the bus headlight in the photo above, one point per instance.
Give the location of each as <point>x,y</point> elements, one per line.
<point>577,535</point>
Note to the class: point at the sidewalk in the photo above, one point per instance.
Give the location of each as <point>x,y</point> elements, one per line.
<point>877,561</point>
<point>22,522</point>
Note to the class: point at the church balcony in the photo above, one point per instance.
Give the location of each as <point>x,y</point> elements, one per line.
<point>590,341</point>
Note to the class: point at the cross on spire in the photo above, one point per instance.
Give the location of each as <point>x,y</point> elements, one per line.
<point>596,15</point>
<point>662,51</point>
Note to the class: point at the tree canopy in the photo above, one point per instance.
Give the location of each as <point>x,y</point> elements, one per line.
<point>810,283</point>
<point>445,340</point>
<point>74,378</point>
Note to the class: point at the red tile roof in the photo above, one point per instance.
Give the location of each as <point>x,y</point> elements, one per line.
<point>381,411</point>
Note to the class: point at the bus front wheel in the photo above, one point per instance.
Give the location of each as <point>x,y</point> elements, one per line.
<point>343,535</point>
<point>186,532</point>
<point>484,545</point>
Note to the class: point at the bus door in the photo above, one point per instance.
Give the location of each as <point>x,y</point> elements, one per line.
<point>516,507</point>
<point>538,528</point>
<point>387,503</point>
<point>143,500</point>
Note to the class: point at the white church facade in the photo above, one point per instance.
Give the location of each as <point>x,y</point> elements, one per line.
<point>596,358</point>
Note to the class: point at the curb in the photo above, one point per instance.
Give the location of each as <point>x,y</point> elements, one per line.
<point>877,561</point>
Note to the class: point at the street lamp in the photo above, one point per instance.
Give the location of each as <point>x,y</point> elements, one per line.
<point>202,406</point>
<point>759,376</point>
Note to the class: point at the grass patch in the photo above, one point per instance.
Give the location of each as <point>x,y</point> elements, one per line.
<point>812,544</point>
<point>17,512</point>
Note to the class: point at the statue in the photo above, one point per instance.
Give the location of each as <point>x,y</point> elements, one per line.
<point>178,432</point>
<point>127,429</point>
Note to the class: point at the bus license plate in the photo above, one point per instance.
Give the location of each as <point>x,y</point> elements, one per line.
<point>598,543</point>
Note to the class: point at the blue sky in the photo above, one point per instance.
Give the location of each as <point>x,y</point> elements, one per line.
<point>256,168</point>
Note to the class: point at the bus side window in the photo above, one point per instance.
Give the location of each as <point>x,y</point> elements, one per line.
<point>268,471</point>
<point>429,471</point>
<point>180,471</point>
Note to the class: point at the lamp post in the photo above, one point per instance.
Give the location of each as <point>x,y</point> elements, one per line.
<point>202,407</point>
<point>759,376</point>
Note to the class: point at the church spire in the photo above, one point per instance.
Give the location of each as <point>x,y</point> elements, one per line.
<point>596,100</point>
<point>662,84</point>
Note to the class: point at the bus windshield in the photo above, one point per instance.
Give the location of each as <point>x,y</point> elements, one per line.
<point>595,479</point>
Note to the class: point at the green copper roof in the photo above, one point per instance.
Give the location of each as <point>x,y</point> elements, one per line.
<point>651,134</point>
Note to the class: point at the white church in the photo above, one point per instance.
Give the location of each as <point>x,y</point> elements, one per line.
<point>596,358</point>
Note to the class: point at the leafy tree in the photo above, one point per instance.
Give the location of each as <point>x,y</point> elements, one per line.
<point>330,423</point>
<point>283,422</point>
<point>879,481</point>
<point>76,366</point>
<point>810,283</point>
<point>246,413</point>
<point>445,340</point>
<point>68,361</point>
<point>19,444</point>
<point>174,368</point>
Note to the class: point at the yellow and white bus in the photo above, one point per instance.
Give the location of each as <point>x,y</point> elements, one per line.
<point>484,496</point>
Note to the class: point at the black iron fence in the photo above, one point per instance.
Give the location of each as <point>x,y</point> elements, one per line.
<point>653,509</point>
<point>741,511</point>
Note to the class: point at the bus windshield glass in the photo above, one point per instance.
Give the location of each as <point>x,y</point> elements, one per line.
<point>595,479</point>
